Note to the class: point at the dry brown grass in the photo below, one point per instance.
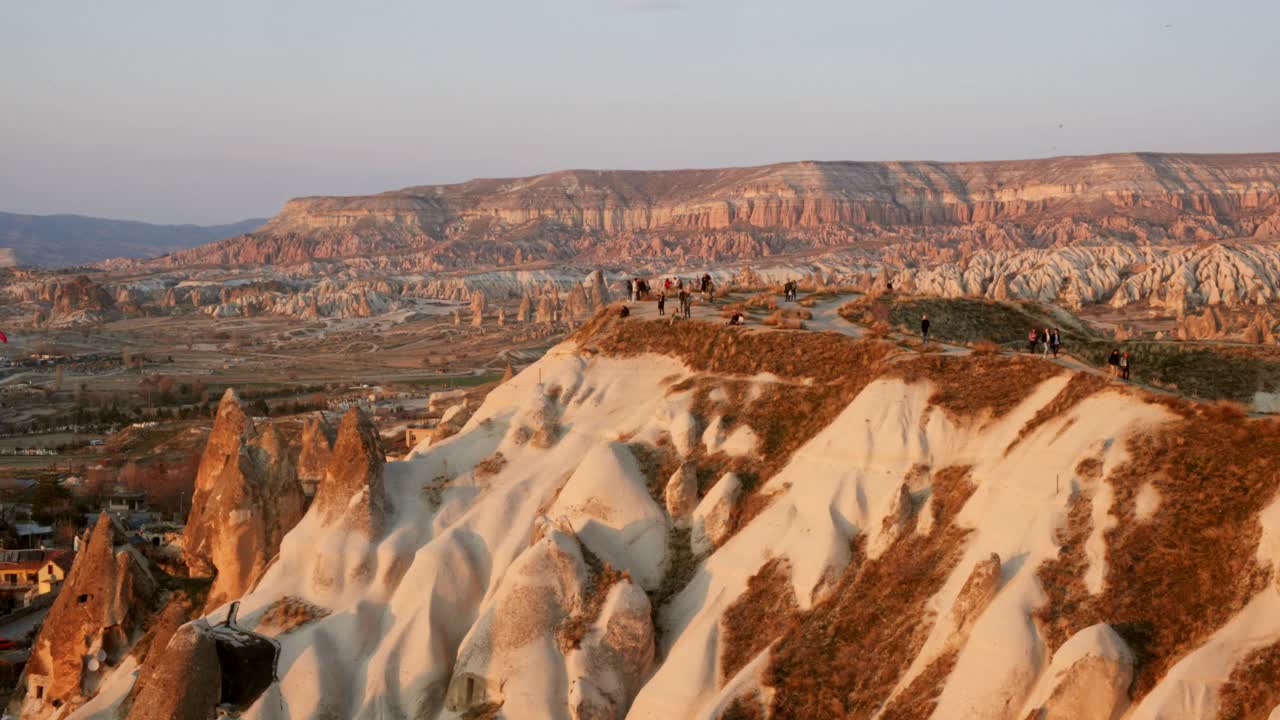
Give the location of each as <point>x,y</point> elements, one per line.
<point>986,347</point>
<point>602,578</point>
<point>790,318</point>
<point>1174,579</point>
<point>1063,577</point>
<point>748,707</point>
<point>844,657</point>
<point>970,386</point>
<point>784,417</point>
<point>682,565</point>
<point>490,466</point>
<point>290,613</point>
<point>763,301</point>
<point>920,698</point>
<point>1078,388</point>
<point>758,617</point>
<point>657,463</point>
<point>487,711</point>
<point>1253,690</point>
<point>822,357</point>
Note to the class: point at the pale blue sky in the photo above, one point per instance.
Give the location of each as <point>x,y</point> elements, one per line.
<point>210,112</point>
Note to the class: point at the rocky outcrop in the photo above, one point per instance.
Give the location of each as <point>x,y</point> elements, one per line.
<point>976,595</point>
<point>317,448</point>
<point>180,680</point>
<point>99,613</point>
<point>554,613</point>
<point>247,497</point>
<point>1088,678</point>
<point>543,587</point>
<point>614,657</point>
<point>352,491</point>
<point>78,299</point>
<point>712,521</point>
<point>681,493</point>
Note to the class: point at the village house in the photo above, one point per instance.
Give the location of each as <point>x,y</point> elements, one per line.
<point>28,574</point>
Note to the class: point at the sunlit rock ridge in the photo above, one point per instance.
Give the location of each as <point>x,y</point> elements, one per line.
<point>742,213</point>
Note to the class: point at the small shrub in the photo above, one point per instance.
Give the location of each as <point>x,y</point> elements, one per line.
<point>490,466</point>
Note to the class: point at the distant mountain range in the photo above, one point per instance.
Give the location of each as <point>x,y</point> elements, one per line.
<point>68,240</point>
<point>595,216</point>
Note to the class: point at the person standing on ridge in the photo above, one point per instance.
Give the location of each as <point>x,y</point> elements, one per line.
<point>662,304</point>
<point>924,328</point>
<point>1113,360</point>
<point>1124,366</point>
<point>1055,342</point>
<point>1031,341</point>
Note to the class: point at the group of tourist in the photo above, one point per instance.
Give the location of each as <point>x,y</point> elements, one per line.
<point>686,304</point>
<point>1118,364</point>
<point>789,290</point>
<point>1046,340</point>
<point>638,289</point>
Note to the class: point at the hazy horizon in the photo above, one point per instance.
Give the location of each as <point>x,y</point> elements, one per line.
<point>174,114</point>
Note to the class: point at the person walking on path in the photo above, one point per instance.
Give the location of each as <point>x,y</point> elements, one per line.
<point>1031,341</point>
<point>1055,342</point>
<point>1044,343</point>
<point>1113,361</point>
<point>662,304</point>
<point>924,328</point>
<point>1124,366</point>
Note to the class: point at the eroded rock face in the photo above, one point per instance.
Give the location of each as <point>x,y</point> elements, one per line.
<point>597,290</point>
<point>79,294</point>
<point>614,657</point>
<point>181,680</point>
<point>713,519</point>
<point>681,494</point>
<point>352,491</point>
<point>513,643</point>
<point>976,595</point>
<point>1088,678</point>
<point>247,498</point>
<point>317,448</point>
<point>99,613</point>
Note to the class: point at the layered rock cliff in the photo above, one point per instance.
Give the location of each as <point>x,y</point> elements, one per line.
<point>760,211</point>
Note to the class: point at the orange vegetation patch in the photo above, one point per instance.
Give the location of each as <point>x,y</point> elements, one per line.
<point>1063,577</point>
<point>791,318</point>
<point>657,463</point>
<point>920,698</point>
<point>1078,388</point>
<point>1174,579</point>
<point>748,707</point>
<point>1253,689</point>
<point>971,385</point>
<point>758,617</point>
<point>490,466</point>
<point>602,579</point>
<point>290,613</point>
<point>832,370</point>
<point>823,357</point>
<point>844,657</point>
<point>487,711</point>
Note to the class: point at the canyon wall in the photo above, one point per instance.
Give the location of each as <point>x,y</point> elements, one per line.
<point>759,211</point>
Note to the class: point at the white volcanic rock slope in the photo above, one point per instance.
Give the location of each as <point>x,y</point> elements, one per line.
<point>515,577</point>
